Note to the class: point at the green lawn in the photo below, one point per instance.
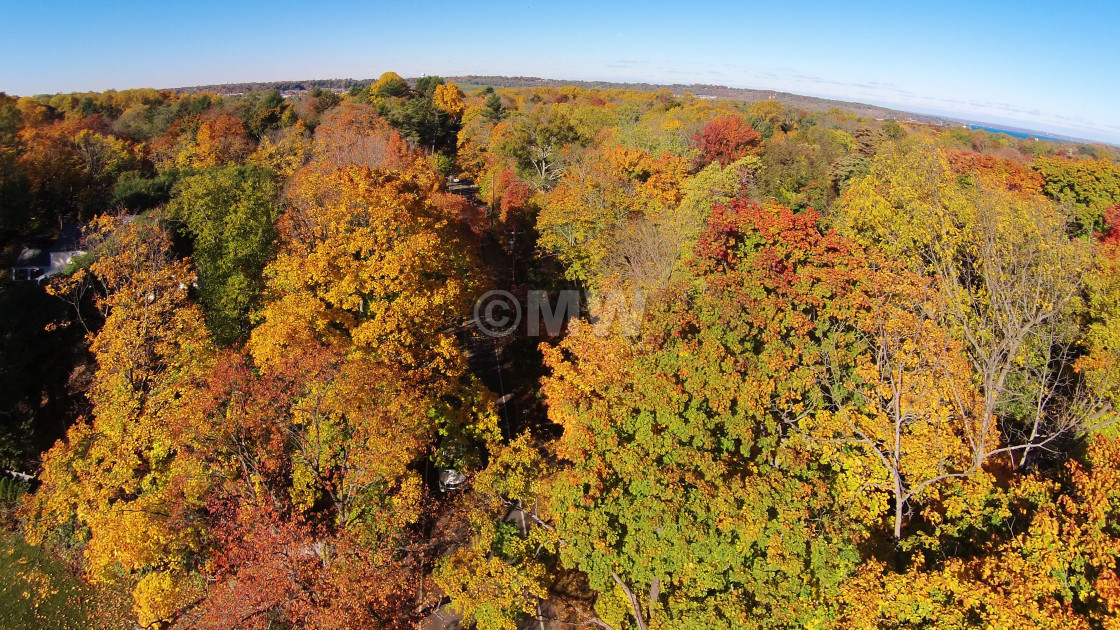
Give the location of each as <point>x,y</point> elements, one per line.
<point>39,593</point>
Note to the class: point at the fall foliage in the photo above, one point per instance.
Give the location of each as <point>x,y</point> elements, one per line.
<point>725,140</point>
<point>869,378</point>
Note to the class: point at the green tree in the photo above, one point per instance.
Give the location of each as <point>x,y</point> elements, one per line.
<point>1085,187</point>
<point>536,143</point>
<point>494,110</point>
<point>324,100</point>
<point>685,494</point>
<point>231,214</point>
<point>424,124</point>
<point>426,86</point>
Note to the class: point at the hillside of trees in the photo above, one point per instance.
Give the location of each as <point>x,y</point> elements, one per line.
<point>869,379</point>
<point>308,85</point>
<point>797,101</point>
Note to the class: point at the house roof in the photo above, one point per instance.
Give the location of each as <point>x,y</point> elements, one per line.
<point>33,257</point>
<point>49,259</point>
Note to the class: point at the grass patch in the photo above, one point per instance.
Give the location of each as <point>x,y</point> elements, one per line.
<point>39,592</point>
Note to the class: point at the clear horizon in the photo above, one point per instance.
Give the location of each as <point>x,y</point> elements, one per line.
<point>1029,65</point>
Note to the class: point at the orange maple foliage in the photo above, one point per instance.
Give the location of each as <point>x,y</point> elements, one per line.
<point>353,134</point>
<point>996,172</point>
<point>218,142</point>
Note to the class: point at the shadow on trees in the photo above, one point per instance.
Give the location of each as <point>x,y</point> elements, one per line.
<point>43,373</point>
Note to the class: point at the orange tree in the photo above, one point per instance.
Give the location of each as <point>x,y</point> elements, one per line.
<point>373,270</point>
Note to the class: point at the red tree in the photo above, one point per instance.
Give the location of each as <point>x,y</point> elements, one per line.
<point>1110,235</point>
<point>725,140</point>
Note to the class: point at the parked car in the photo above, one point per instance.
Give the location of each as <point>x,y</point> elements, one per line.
<point>451,479</point>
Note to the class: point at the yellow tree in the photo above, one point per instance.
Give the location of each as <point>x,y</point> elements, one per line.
<point>1057,569</point>
<point>1101,365</point>
<point>285,150</point>
<point>913,423</point>
<point>127,475</point>
<point>598,194</point>
<point>367,263</point>
<point>449,98</point>
<point>500,575</point>
<point>770,111</point>
<point>103,157</point>
<point>388,85</point>
<point>1009,278</point>
<point>374,271</point>
<point>473,155</point>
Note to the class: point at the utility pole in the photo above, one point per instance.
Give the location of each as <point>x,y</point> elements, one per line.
<point>513,253</point>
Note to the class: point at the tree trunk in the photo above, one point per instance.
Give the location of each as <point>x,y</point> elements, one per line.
<point>899,504</point>
<point>634,605</point>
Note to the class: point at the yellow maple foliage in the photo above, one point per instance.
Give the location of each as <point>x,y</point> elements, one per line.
<point>449,98</point>
<point>126,474</point>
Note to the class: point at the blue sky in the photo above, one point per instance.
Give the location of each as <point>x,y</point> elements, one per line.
<point>1048,66</point>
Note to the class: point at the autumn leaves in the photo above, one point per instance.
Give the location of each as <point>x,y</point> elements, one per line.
<point>871,389</point>
<point>309,437</point>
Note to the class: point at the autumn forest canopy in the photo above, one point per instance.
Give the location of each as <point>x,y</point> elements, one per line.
<point>873,382</point>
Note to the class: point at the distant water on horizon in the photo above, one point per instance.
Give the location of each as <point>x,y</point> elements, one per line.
<point>1015,134</point>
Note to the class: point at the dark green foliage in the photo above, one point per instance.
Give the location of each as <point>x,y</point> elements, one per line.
<point>271,100</point>
<point>193,105</point>
<point>87,107</point>
<point>798,171</point>
<point>426,86</point>
<point>15,189</point>
<point>494,110</point>
<point>15,200</point>
<point>137,193</point>
<point>423,124</point>
<point>145,122</point>
<point>763,126</point>
<point>231,214</point>
<point>262,112</point>
<point>894,130</point>
<point>324,100</point>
